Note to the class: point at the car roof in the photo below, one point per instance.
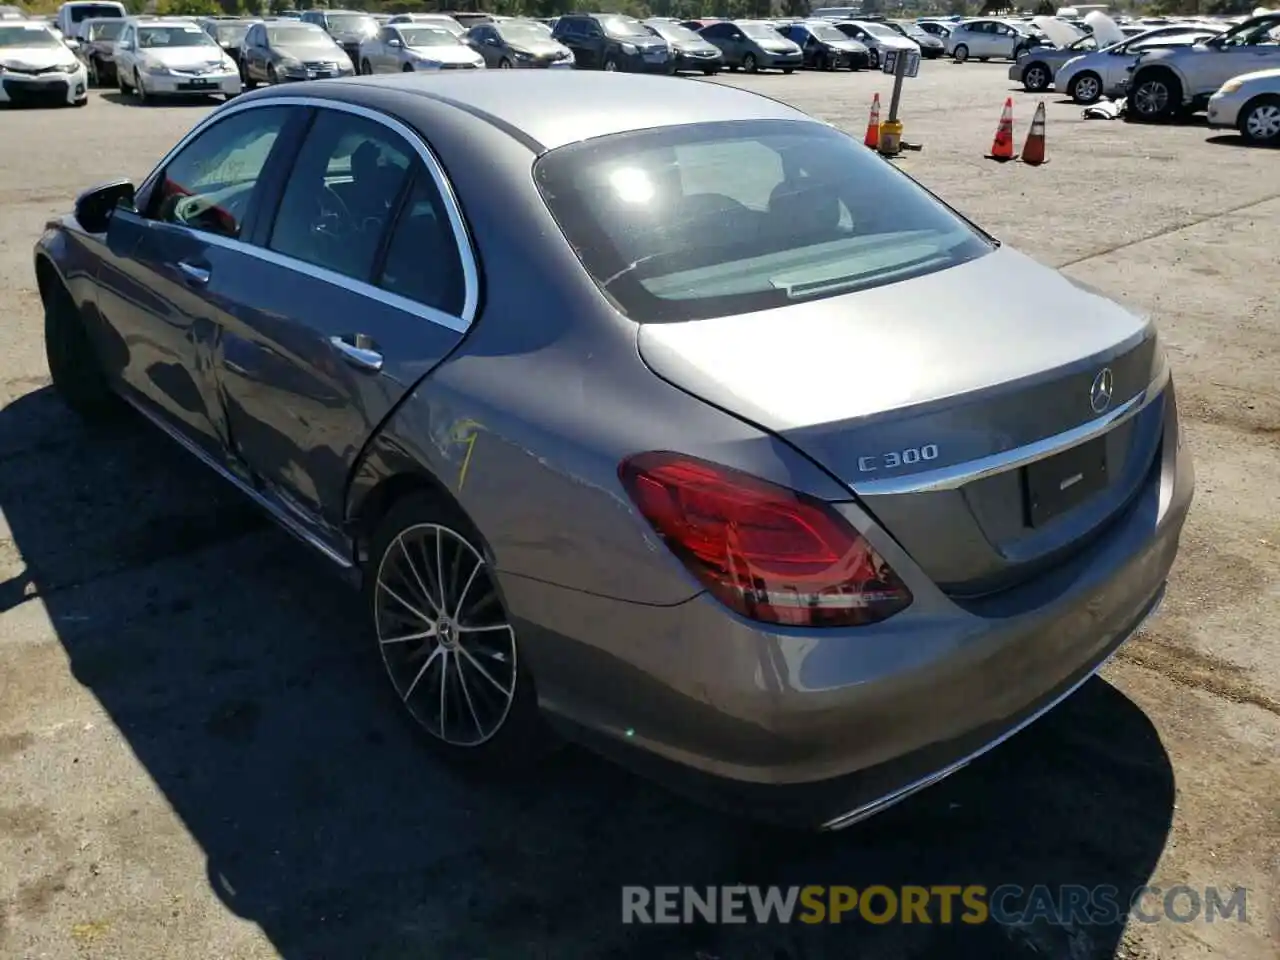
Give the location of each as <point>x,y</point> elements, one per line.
<point>553,108</point>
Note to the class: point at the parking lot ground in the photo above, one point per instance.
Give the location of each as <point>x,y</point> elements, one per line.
<point>198,758</point>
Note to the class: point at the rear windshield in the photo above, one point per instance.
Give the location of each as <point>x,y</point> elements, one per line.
<point>92,10</point>
<point>706,220</point>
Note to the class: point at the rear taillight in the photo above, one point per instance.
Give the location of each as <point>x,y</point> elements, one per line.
<point>769,553</point>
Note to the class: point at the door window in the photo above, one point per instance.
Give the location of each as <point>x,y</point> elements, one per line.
<point>208,186</point>
<point>344,186</point>
<point>422,260</point>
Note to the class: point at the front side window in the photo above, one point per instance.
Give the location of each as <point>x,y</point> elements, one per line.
<point>341,194</point>
<point>705,220</point>
<point>209,184</point>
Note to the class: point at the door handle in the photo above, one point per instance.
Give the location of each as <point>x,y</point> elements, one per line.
<point>358,351</point>
<point>195,274</point>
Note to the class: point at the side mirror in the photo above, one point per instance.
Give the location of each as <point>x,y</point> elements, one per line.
<point>95,206</point>
<point>395,43</point>
<point>72,43</point>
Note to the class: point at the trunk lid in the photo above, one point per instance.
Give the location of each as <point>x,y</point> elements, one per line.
<point>928,399</point>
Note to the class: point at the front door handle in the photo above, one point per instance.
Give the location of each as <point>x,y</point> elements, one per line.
<point>359,351</point>
<point>194,273</point>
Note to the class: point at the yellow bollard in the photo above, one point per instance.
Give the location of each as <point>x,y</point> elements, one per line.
<point>890,138</point>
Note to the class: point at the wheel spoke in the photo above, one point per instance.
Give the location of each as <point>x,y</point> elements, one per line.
<point>437,652</point>
<point>382,585</point>
<point>424,635</point>
<point>491,628</point>
<point>466,588</point>
<point>413,569</point>
<point>444,683</point>
<point>483,672</point>
<point>466,695</point>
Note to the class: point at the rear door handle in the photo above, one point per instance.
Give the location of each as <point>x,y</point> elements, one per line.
<point>359,351</point>
<point>195,274</point>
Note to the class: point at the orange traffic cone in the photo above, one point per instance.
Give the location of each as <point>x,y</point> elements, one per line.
<point>1002,146</point>
<point>872,139</point>
<point>1033,149</point>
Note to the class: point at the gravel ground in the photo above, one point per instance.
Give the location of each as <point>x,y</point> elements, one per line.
<point>197,760</point>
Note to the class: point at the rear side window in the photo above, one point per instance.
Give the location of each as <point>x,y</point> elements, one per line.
<point>705,220</point>
<point>422,260</point>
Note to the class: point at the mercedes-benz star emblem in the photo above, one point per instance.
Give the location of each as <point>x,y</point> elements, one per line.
<point>1100,392</point>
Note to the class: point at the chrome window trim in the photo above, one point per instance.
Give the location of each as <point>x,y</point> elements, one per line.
<point>958,474</point>
<point>461,235</point>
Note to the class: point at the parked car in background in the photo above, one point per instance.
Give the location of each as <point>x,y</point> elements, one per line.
<point>936,28</point>
<point>989,39</point>
<point>690,49</point>
<point>280,51</point>
<point>518,44</point>
<point>409,47</point>
<point>754,45</point>
<point>1251,104</point>
<point>38,69</point>
<point>1104,73</point>
<point>1167,82</point>
<point>433,19</point>
<point>71,15</point>
<point>877,38</point>
<point>229,33</point>
<point>826,48</point>
<point>10,12</point>
<point>553,387</point>
<point>931,47</point>
<point>97,49</point>
<point>611,41</point>
<point>166,57</point>
<point>349,28</point>
<point>470,18</point>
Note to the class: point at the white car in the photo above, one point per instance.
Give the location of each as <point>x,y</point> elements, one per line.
<point>1087,79</point>
<point>987,40</point>
<point>1251,104</point>
<point>877,38</point>
<point>407,47</point>
<point>37,67</point>
<point>432,19</point>
<point>156,57</point>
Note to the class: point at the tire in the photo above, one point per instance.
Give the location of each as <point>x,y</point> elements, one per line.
<point>1035,78</point>
<point>246,81</point>
<point>1085,88</point>
<point>710,71</point>
<point>366,68</point>
<point>873,59</point>
<point>120,84</point>
<point>961,53</point>
<point>788,71</point>
<point>407,68</point>
<point>139,90</point>
<point>271,74</point>
<point>1155,96</point>
<point>73,366</point>
<point>1259,121</point>
<point>505,64</point>
<point>610,65</point>
<point>984,59</point>
<point>749,63</point>
<point>94,74</point>
<point>490,719</point>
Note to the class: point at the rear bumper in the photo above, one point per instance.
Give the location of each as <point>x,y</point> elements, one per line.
<point>822,728</point>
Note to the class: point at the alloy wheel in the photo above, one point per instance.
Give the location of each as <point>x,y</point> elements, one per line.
<point>1151,99</point>
<point>1036,78</point>
<point>444,636</point>
<point>1086,89</point>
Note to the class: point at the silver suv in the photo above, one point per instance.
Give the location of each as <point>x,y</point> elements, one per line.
<point>1167,82</point>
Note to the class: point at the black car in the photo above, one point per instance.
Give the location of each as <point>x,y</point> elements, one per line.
<point>612,41</point>
<point>98,38</point>
<point>690,50</point>
<point>229,33</point>
<point>825,47</point>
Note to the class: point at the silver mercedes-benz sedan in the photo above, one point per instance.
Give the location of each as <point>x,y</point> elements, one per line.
<point>652,413</point>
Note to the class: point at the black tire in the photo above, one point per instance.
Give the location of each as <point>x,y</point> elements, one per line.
<point>749,63</point>
<point>366,68</point>
<point>961,53</point>
<point>1036,77</point>
<point>521,736</point>
<point>140,91</point>
<point>95,74</point>
<point>1085,88</point>
<point>1259,121</point>
<point>610,65</point>
<point>788,71</point>
<point>1154,96</point>
<point>271,74</point>
<point>505,64</point>
<point>121,85</point>
<point>73,365</point>
<point>245,80</point>
<point>407,68</point>
<point>710,71</point>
